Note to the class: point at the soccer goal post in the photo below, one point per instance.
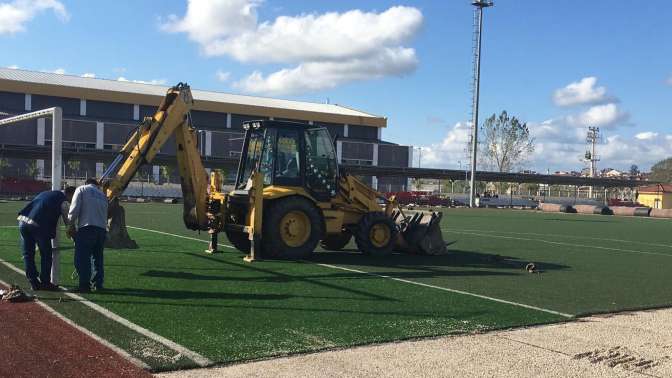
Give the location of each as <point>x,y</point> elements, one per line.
<point>56,115</point>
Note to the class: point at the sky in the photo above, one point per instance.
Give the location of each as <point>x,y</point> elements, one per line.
<point>559,66</point>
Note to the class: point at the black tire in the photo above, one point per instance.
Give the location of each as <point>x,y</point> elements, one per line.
<point>240,240</point>
<point>273,244</point>
<point>336,242</point>
<point>363,234</point>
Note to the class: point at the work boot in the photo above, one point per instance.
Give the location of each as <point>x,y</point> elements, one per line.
<point>81,290</point>
<point>49,287</point>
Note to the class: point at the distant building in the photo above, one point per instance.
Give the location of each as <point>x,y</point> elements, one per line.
<point>99,115</point>
<point>657,196</point>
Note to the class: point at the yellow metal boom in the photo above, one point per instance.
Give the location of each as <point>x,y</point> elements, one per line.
<point>171,118</point>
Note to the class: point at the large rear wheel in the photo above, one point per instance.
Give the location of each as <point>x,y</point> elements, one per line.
<point>376,234</point>
<point>292,228</point>
<point>336,242</point>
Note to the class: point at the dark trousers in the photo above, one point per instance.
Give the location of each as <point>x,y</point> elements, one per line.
<point>89,244</point>
<point>31,236</point>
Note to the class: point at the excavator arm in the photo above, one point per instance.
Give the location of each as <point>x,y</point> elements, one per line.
<point>171,118</point>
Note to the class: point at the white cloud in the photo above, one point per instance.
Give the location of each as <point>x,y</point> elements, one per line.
<point>89,75</point>
<point>580,92</point>
<point>615,151</point>
<point>209,21</point>
<point>326,50</point>
<point>150,82</point>
<point>599,115</point>
<point>58,71</point>
<point>15,15</point>
<point>312,76</point>
<point>561,145</point>
<point>647,135</point>
<point>13,67</point>
<point>222,75</point>
<point>451,150</point>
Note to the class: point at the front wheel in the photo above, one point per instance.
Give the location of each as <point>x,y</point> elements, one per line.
<point>292,228</point>
<point>376,234</point>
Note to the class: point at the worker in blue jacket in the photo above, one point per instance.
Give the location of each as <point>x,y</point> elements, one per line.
<point>37,226</point>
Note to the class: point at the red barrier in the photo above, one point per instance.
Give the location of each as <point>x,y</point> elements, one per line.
<point>12,185</point>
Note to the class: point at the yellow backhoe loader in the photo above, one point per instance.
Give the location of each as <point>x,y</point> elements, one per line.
<point>289,195</point>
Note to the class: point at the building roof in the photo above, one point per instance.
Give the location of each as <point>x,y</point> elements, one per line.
<point>656,189</point>
<point>51,84</point>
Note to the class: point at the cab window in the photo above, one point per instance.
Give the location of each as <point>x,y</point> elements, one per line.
<point>288,162</point>
<point>321,170</point>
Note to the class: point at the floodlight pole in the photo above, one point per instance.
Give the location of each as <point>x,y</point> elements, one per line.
<point>56,115</point>
<point>479,4</point>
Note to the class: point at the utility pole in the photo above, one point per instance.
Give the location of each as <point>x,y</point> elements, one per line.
<point>591,156</point>
<point>478,30</point>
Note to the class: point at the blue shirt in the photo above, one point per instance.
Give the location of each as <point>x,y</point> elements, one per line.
<point>43,211</point>
<point>88,208</point>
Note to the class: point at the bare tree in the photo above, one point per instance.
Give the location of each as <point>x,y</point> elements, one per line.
<point>506,142</point>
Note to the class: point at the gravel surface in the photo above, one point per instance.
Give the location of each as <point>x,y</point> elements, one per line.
<point>636,344</point>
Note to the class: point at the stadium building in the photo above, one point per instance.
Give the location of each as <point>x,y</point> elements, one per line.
<point>99,115</point>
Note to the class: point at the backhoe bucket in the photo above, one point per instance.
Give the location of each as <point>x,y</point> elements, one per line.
<point>420,233</point>
<point>117,236</point>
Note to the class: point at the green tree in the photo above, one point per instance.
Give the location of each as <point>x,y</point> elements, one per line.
<point>166,172</point>
<point>73,166</point>
<point>662,171</point>
<point>31,169</point>
<point>634,170</point>
<point>4,164</point>
<point>506,142</point>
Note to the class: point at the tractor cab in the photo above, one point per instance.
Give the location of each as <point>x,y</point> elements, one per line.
<point>290,154</point>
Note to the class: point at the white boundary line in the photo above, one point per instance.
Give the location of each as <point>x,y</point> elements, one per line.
<point>563,236</point>
<point>197,358</point>
<point>560,243</point>
<point>178,236</point>
<point>397,279</point>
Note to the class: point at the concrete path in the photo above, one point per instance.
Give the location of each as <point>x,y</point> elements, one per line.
<point>637,344</point>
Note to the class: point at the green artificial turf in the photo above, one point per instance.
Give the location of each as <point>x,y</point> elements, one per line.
<point>229,310</point>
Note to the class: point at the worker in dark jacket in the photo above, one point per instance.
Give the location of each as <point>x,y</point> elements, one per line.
<point>37,226</point>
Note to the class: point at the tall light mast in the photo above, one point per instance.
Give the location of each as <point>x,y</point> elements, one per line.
<point>478,30</point>
<point>592,138</point>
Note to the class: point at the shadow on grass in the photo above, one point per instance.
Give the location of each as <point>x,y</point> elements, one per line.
<point>435,265</point>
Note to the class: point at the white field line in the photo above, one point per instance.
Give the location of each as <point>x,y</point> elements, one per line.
<point>178,236</point>
<point>197,358</point>
<point>9,226</point>
<point>565,236</point>
<point>90,334</point>
<point>401,280</point>
<point>450,290</point>
<point>560,243</point>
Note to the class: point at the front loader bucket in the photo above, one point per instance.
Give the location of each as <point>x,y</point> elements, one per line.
<point>420,233</point>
